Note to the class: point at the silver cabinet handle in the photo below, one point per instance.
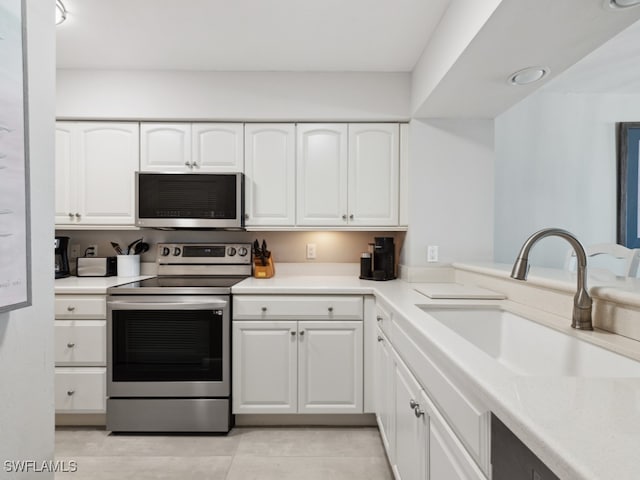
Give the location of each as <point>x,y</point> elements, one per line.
<point>71,345</point>
<point>70,215</point>
<point>351,217</point>
<point>330,309</point>
<point>293,333</point>
<point>413,404</point>
<point>379,318</point>
<point>187,164</point>
<point>264,309</point>
<point>344,217</point>
<point>70,392</point>
<point>301,333</point>
<point>246,216</point>
<point>380,339</point>
<point>71,308</point>
<point>78,215</point>
<point>418,412</point>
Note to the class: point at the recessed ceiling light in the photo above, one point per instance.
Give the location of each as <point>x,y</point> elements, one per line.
<point>623,3</point>
<point>61,12</point>
<point>528,75</point>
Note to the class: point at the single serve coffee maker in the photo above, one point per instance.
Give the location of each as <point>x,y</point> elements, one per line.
<point>380,264</point>
<point>61,257</point>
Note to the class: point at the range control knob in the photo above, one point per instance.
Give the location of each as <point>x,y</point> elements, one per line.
<point>177,251</point>
<point>242,251</point>
<point>165,251</point>
<point>231,251</point>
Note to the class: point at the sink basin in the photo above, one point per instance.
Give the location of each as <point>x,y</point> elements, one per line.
<point>529,348</point>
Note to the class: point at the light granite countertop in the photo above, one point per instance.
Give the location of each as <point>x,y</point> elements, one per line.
<point>92,285</point>
<point>581,427</point>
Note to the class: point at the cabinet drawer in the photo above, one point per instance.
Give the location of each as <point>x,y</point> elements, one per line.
<point>80,390</point>
<point>467,417</point>
<point>80,342</point>
<point>299,307</point>
<point>80,306</point>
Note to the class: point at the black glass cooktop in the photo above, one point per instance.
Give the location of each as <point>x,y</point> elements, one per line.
<point>183,285</point>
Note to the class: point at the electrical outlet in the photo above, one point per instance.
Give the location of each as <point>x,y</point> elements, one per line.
<point>92,251</point>
<point>311,251</point>
<point>74,251</point>
<point>432,253</point>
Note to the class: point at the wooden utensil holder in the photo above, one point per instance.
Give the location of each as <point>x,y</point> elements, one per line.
<point>264,271</point>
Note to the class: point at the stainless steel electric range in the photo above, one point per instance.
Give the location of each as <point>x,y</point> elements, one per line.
<point>169,337</point>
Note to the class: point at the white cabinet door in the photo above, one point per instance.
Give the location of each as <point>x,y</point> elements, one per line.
<point>373,174</point>
<point>165,147</point>
<point>322,174</point>
<point>411,430</point>
<point>106,173</point>
<point>217,147</point>
<point>330,367</point>
<point>448,459</point>
<point>385,393</point>
<point>64,171</point>
<point>265,367</point>
<point>270,174</point>
<point>95,173</point>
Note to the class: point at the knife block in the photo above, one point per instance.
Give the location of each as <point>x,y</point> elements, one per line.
<point>264,271</point>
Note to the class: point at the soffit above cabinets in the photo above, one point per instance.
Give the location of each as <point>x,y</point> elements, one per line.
<point>246,35</point>
<point>519,34</point>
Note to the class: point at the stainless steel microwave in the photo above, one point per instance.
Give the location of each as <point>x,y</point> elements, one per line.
<point>190,200</point>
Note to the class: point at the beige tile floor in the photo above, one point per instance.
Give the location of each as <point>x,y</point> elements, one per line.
<point>264,453</point>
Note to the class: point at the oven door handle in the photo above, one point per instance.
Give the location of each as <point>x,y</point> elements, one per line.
<point>160,305</point>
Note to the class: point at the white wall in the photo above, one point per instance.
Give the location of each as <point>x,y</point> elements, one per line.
<point>26,335</point>
<point>239,96</point>
<point>556,167</point>
<point>450,191</point>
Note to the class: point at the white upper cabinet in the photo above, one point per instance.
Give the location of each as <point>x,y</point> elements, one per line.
<point>322,174</point>
<point>165,147</point>
<point>270,174</point>
<point>217,147</point>
<point>191,147</point>
<point>373,174</point>
<point>95,173</point>
<point>348,175</point>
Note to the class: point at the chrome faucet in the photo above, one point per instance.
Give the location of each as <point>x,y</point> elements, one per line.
<point>582,303</point>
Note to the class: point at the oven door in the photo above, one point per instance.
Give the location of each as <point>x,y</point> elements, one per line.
<point>168,346</point>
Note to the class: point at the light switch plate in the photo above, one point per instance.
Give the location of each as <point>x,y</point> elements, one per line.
<point>432,253</point>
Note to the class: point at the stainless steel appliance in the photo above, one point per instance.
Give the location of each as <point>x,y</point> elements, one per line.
<point>190,200</point>
<point>61,257</point>
<point>96,266</point>
<point>168,341</point>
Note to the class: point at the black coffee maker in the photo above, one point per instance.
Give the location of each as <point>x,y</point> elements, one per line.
<point>61,257</point>
<point>382,261</point>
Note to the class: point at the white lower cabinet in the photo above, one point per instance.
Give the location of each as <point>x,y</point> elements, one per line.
<point>265,368</point>
<point>297,354</point>
<point>80,353</point>
<point>297,367</point>
<point>412,426</point>
<point>419,442</point>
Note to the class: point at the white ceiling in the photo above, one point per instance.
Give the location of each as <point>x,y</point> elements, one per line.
<point>612,68</point>
<point>247,35</point>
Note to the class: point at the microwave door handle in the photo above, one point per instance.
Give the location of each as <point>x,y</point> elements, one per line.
<point>181,305</point>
